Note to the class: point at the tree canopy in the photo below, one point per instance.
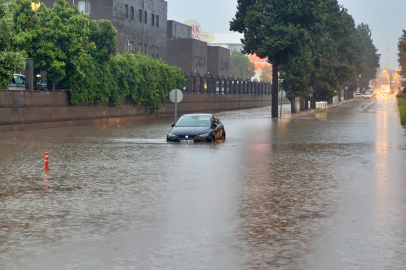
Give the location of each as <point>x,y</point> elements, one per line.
<point>240,65</point>
<point>277,30</point>
<point>266,73</point>
<point>402,57</point>
<point>311,42</point>
<point>81,54</point>
<point>10,61</point>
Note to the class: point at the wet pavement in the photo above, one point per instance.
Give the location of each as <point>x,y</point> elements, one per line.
<point>325,190</point>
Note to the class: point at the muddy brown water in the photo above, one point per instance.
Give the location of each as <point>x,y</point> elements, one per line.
<point>325,190</point>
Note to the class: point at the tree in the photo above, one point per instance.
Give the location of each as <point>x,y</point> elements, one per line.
<point>337,54</point>
<point>276,29</point>
<point>81,54</point>
<point>240,65</point>
<point>266,73</point>
<point>10,61</point>
<point>370,61</point>
<point>402,58</point>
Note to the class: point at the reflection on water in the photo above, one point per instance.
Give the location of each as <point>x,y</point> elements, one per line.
<point>261,198</point>
<point>287,195</point>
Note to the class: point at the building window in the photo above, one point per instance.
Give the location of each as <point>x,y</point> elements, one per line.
<point>146,49</point>
<point>132,49</point>
<point>146,17</point>
<point>157,21</point>
<point>85,6</point>
<point>152,52</point>
<point>132,13</point>
<point>140,47</point>
<point>126,11</point>
<point>140,15</point>
<point>153,19</point>
<point>157,52</point>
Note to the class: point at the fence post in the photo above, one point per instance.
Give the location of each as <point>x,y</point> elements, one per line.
<point>209,83</point>
<point>249,87</point>
<point>195,84</point>
<point>255,87</point>
<point>29,74</point>
<point>202,85</point>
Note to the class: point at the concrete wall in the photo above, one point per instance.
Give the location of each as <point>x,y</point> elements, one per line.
<point>179,30</point>
<point>218,61</point>
<point>187,54</point>
<point>37,110</point>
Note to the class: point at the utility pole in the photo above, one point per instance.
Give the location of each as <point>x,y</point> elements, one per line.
<point>387,53</point>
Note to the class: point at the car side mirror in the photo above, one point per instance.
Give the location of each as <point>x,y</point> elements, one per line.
<point>214,124</point>
<point>173,125</point>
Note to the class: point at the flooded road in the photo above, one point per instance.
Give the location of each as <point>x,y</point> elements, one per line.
<point>325,190</point>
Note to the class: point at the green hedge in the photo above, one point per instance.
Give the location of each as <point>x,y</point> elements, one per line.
<point>139,78</point>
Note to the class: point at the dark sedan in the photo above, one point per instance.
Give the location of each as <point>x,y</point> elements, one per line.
<point>197,128</point>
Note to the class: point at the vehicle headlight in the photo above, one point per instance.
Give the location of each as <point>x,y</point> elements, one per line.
<point>204,135</point>
<point>171,135</point>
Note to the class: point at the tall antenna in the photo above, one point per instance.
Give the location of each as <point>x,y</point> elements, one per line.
<point>387,53</point>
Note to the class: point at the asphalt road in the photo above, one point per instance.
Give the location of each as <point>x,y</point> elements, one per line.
<point>325,190</point>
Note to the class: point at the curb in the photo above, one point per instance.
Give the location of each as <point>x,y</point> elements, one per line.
<point>320,110</point>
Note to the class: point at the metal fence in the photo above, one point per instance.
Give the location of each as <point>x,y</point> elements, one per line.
<point>219,85</point>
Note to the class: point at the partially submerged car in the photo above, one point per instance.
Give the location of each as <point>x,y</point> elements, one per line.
<point>200,127</point>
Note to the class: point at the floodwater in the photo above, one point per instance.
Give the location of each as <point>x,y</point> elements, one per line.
<point>325,190</point>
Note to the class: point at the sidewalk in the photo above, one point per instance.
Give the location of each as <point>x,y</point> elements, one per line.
<point>320,109</point>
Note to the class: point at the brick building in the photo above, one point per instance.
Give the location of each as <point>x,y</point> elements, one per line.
<point>141,24</point>
<point>179,30</point>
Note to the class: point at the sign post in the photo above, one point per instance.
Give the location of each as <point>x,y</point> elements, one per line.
<point>346,88</point>
<point>176,96</point>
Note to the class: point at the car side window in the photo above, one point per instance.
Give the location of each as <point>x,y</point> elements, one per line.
<point>18,80</point>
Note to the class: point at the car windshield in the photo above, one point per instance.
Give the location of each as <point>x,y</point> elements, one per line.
<point>194,121</point>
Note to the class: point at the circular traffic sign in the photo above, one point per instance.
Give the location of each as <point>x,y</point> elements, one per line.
<point>176,94</point>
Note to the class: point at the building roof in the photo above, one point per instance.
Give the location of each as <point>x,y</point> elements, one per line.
<point>232,38</point>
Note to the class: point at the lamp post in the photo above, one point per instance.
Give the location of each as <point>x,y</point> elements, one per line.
<point>311,96</point>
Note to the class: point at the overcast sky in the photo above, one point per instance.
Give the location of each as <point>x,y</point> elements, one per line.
<point>386,18</point>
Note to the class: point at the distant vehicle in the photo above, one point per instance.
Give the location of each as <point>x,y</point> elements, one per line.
<point>367,95</point>
<point>202,127</point>
<point>358,95</point>
<point>17,82</point>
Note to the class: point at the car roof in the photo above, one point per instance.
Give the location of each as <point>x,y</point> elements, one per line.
<point>196,114</point>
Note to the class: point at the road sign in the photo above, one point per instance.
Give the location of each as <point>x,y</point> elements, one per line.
<point>346,88</point>
<point>176,96</point>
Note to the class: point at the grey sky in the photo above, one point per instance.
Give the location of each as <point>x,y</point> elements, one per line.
<point>386,18</point>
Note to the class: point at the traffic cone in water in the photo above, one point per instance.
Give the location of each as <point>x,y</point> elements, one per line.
<point>46,161</point>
